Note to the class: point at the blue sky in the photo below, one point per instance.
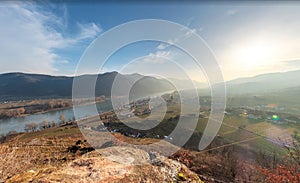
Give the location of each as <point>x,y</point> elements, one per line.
<point>246,38</point>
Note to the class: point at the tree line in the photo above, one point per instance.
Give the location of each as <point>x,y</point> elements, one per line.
<point>34,107</point>
<point>33,127</point>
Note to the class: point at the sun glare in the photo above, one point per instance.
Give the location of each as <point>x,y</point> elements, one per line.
<point>255,54</point>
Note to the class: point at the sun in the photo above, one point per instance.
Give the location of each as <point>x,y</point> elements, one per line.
<point>254,54</point>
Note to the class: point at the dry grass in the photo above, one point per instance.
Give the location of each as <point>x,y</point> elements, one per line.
<point>32,151</point>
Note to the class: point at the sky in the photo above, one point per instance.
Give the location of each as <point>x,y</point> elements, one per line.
<point>246,39</point>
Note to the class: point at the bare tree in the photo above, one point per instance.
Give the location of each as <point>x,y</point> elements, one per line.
<point>27,127</point>
<point>62,118</point>
<point>31,127</point>
<point>46,124</point>
<point>20,111</point>
<point>53,124</point>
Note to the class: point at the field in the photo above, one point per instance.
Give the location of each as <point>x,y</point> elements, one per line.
<point>241,144</point>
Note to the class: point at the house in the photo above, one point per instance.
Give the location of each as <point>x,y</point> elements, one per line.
<point>87,128</point>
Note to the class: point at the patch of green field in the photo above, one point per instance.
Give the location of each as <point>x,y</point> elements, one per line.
<point>261,144</point>
<point>259,128</point>
<point>237,135</point>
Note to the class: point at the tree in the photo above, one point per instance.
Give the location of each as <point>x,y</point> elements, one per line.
<point>34,126</point>
<point>51,104</point>
<point>27,128</point>
<point>20,111</point>
<point>53,124</point>
<point>46,124</point>
<point>31,127</point>
<point>281,173</point>
<point>290,171</point>
<point>62,118</point>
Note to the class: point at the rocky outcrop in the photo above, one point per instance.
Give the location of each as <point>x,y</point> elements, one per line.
<point>113,164</point>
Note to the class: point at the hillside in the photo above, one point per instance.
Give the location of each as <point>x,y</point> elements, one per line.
<point>61,155</point>
<point>20,86</point>
<point>93,167</point>
<point>264,83</point>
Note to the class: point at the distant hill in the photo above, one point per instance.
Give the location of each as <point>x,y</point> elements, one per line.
<point>184,84</point>
<point>264,83</point>
<point>21,86</point>
<point>25,86</point>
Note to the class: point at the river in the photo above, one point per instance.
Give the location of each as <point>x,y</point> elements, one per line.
<point>18,123</point>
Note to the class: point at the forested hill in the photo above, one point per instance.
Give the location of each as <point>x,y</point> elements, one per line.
<point>21,86</point>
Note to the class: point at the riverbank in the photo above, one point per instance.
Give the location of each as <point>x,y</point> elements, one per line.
<point>18,124</point>
<point>26,108</point>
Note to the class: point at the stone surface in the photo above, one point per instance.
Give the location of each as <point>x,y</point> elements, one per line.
<point>113,164</point>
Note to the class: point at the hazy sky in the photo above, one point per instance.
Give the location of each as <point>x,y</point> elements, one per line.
<point>246,38</point>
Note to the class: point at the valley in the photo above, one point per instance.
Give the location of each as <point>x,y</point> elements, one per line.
<point>255,136</point>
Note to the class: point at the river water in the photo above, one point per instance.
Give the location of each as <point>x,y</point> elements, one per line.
<point>18,123</point>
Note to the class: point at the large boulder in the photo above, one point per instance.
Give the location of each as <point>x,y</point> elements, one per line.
<point>114,164</point>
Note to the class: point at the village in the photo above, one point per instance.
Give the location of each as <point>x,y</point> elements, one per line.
<point>263,113</point>
<point>112,121</point>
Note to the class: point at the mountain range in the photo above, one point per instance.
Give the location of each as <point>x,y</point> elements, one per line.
<point>21,86</point>
<point>265,83</point>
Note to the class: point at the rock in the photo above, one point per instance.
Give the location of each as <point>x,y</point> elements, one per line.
<point>31,171</point>
<point>114,164</point>
<point>125,155</point>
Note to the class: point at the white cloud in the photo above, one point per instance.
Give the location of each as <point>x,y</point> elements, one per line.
<point>162,46</point>
<point>184,35</point>
<point>158,57</point>
<point>88,30</point>
<point>166,60</point>
<point>166,64</point>
<point>190,33</point>
<point>30,35</point>
<point>294,62</point>
<point>158,54</point>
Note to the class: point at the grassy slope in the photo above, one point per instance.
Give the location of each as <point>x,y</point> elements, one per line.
<point>30,151</point>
